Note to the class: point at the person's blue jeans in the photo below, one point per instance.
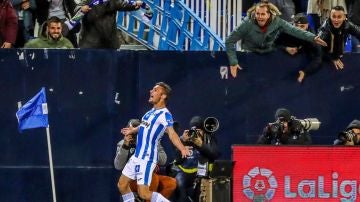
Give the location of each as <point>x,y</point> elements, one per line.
<point>28,25</point>
<point>184,186</point>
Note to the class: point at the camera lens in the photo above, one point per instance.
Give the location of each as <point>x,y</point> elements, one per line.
<point>193,132</point>
<point>276,128</point>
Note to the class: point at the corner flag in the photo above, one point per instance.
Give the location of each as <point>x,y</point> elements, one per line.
<point>34,114</point>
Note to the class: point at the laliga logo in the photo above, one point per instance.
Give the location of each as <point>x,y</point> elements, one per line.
<point>259,183</point>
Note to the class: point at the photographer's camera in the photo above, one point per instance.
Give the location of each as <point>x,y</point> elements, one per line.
<point>193,133</point>
<point>347,136</point>
<point>276,128</point>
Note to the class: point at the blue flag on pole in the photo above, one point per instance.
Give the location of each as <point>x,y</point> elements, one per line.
<point>34,114</point>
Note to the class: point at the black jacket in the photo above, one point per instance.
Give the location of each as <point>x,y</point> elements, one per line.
<point>297,136</point>
<point>311,50</point>
<point>336,38</point>
<point>99,25</point>
<point>354,11</point>
<point>42,11</point>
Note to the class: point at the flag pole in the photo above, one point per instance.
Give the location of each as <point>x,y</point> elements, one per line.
<point>51,164</point>
<point>34,114</point>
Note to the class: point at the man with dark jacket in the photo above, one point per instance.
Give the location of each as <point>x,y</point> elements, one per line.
<point>284,131</point>
<point>8,24</point>
<point>258,32</point>
<point>51,36</point>
<point>335,31</point>
<point>99,24</point>
<point>294,46</point>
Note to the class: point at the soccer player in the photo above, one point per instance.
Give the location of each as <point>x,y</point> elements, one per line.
<point>141,165</point>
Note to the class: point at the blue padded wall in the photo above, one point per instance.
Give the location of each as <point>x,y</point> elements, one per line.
<point>92,94</point>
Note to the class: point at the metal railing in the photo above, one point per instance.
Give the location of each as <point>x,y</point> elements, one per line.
<point>178,25</point>
<point>222,16</point>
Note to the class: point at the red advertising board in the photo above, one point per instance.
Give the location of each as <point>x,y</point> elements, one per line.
<point>296,173</point>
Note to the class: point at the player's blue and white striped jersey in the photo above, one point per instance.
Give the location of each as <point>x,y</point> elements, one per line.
<point>151,129</point>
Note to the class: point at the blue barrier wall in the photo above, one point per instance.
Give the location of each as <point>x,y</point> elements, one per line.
<point>92,93</point>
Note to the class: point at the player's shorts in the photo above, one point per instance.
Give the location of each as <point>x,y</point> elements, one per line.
<point>139,170</point>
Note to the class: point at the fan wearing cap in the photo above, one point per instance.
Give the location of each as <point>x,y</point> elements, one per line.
<point>204,151</point>
<point>286,130</point>
<point>350,136</point>
<point>295,46</point>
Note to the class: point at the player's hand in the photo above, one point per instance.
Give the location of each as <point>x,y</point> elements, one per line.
<point>185,152</point>
<point>127,131</point>
<point>234,69</point>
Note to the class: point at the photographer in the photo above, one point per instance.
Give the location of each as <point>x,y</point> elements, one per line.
<point>285,130</point>
<point>351,136</point>
<point>203,152</point>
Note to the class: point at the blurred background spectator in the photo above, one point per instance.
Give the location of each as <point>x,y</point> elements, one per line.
<point>63,9</point>
<point>354,17</point>
<point>335,32</point>
<point>50,36</point>
<point>8,24</point>
<point>24,11</point>
<point>99,25</point>
<point>319,10</point>
<point>286,7</point>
